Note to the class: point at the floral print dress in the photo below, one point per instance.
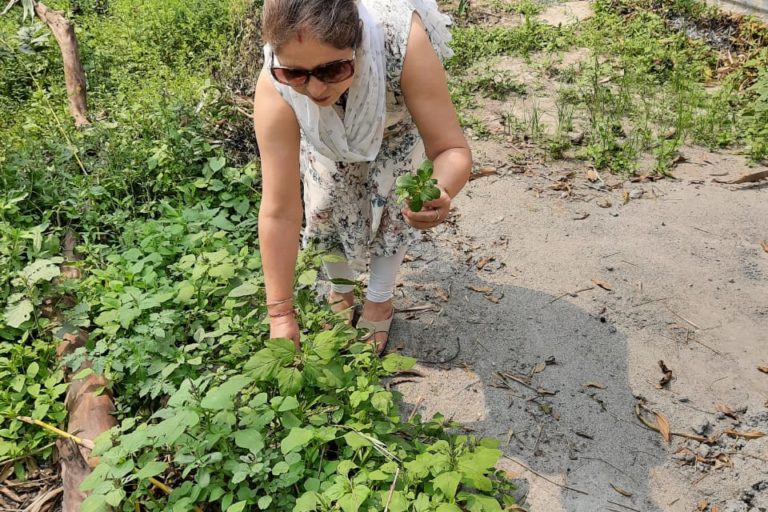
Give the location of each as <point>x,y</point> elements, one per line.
<point>350,207</point>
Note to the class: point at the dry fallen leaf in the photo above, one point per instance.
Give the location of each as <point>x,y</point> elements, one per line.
<point>482,262</point>
<point>483,172</point>
<point>722,461</point>
<point>663,426</point>
<point>621,491</point>
<point>580,216</point>
<point>539,367</point>
<point>605,204</point>
<point>745,435</point>
<point>596,385</point>
<point>715,509</point>
<point>493,299</point>
<point>702,505</point>
<point>667,375</point>
<point>592,175</point>
<point>723,408</point>
<point>626,196</point>
<point>442,294</point>
<point>764,245</point>
<point>602,284</point>
<point>751,178</point>
<point>763,369</point>
<point>480,289</point>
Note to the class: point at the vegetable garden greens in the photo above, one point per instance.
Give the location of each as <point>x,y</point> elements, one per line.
<point>165,211</point>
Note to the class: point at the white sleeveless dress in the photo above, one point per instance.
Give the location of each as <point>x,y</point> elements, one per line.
<point>350,207</point>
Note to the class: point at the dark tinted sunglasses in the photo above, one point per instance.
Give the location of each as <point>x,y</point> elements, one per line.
<point>330,73</point>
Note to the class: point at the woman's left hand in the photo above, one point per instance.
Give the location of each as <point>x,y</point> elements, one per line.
<point>432,213</point>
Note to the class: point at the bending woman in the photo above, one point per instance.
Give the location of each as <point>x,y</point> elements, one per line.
<point>352,95</point>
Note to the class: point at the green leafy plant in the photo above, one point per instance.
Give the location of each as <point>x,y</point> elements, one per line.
<point>418,188</point>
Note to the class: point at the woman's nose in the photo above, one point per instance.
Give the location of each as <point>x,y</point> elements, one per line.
<point>316,87</point>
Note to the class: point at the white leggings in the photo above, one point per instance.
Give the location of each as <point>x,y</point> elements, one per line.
<point>381,282</point>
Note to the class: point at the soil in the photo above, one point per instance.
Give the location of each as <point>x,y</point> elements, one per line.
<point>540,313</point>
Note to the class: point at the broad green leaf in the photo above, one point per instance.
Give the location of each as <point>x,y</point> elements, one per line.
<point>126,316</point>
<point>382,401</point>
<point>264,502</point>
<point>223,271</point>
<point>356,441</point>
<point>297,438</point>
<point>85,372</point>
<point>169,430</point>
<point>447,483</point>
<point>32,370</point>
<point>448,507</point>
<point>152,468</point>
<point>353,501</point>
<point>237,507</point>
<point>280,468</point>
<point>307,502</point>
<point>94,503</point>
<point>251,439</point>
<point>397,501</point>
<point>222,397</point>
<point>480,503</point>
<point>244,290</point>
<point>283,348</point>
<point>289,380</point>
<point>289,403</point>
<point>480,460</point>
<point>186,292</point>
<point>42,270</point>
<point>217,163</point>
<point>16,314</point>
<point>308,278</point>
<point>263,364</point>
<point>326,344</point>
<point>222,222</point>
<point>394,363</point>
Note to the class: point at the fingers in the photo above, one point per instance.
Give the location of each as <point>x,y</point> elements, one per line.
<point>427,218</point>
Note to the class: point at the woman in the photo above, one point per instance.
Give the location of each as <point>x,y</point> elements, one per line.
<point>351,96</point>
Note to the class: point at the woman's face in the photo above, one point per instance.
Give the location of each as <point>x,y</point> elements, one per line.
<point>307,53</point>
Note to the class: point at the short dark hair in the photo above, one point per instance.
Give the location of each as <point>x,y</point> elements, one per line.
<point>334,22</point>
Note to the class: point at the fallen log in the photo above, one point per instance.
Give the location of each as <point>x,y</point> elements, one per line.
<point>88,402</point>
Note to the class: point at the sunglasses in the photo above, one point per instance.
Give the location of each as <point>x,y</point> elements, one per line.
<point>330,73</point>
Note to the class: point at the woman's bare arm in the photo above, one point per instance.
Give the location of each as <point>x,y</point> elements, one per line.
<point>425,88</point>
<point>280,215</point>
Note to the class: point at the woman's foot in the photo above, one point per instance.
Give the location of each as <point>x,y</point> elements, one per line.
<point>343,304</point>
<point>377,318</point>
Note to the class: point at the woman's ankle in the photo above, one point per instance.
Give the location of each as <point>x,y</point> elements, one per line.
<point>377,311</point>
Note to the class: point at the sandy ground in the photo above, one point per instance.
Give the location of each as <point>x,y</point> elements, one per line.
<point>541,311</point>
<point>687,278</point>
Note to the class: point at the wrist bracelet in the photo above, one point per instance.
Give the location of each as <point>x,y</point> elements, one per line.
<point>284,313</point>
<point>278,302</point>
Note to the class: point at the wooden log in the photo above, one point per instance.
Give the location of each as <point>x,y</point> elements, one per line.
<point>88,401</point>
<point>74,74</point>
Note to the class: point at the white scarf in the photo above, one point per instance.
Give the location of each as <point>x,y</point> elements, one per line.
<point>358,137</point>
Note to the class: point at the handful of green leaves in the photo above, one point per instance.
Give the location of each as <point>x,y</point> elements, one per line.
<point>418,188</point>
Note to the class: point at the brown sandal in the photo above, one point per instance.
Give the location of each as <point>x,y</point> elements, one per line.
<point>376,327</point>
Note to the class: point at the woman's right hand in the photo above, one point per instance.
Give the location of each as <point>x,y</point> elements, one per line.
<point>285,327</point>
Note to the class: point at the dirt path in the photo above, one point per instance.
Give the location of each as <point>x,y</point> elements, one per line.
<point>670,271</point>
<point>687,278</point>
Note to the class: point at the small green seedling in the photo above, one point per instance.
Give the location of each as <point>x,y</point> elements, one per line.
<point>418,188</point>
